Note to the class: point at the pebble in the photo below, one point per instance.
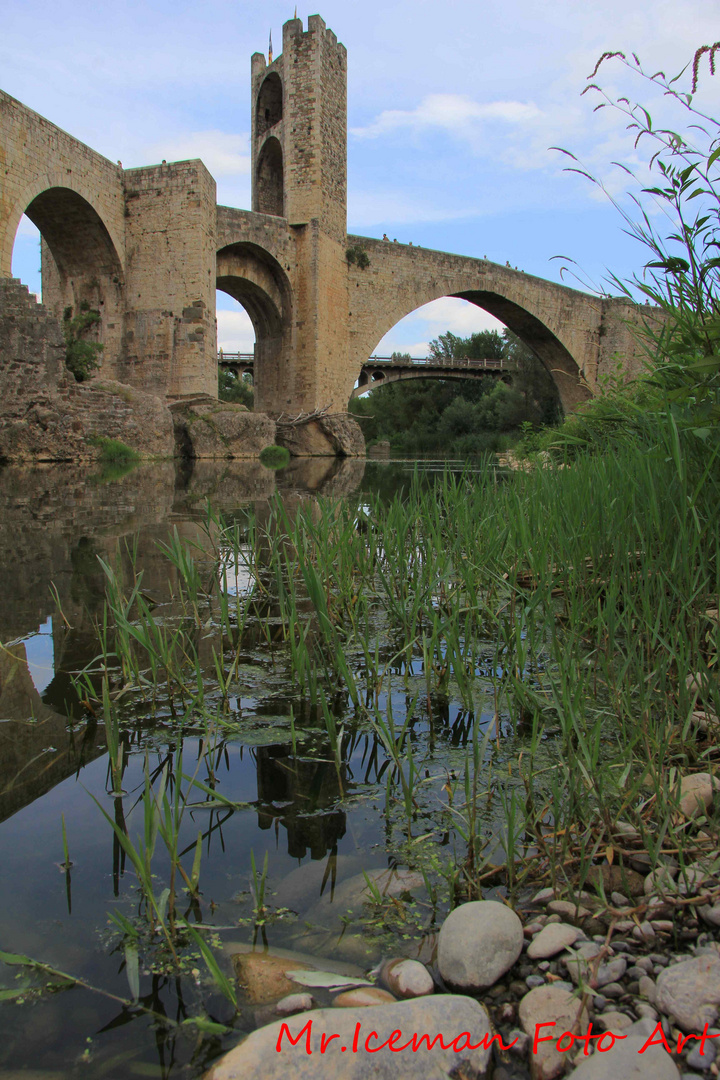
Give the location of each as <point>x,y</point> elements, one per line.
<point>690,992</point>
<point>614,990</point>
<point>644,932</point>
<point>614,1021</point>
<point>522,1045</point>
<point>478,943</point>
<point>647,988</point>
<point>534,980</point>
<point>611,972</point>
<point>710,915</point>
<point>551,940</point>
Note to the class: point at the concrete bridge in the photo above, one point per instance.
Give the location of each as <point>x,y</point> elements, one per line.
<point>148,247</point>
<point>381,370</point>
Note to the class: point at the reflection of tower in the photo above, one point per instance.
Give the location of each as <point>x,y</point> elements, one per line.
<point>299,173</point>
<point>308,787</point>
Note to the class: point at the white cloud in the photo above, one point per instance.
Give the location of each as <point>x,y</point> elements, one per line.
<point>235,331</point>
<point>222,153</point>
<point>413,333</point>
<point>449,112</point>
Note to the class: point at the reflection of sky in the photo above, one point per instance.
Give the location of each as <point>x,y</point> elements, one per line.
<point>40,652</point>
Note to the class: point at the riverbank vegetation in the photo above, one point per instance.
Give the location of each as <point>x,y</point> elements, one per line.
<point>461,417</point>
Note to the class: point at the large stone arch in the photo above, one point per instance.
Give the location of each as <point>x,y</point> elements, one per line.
<point>564,327</point>
<point>256,280</point>
<point>76,199</point>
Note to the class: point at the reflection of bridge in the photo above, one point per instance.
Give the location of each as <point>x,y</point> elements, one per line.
<point>379,370</point>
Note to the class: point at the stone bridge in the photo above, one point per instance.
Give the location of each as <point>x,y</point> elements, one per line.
<point>148,247</point>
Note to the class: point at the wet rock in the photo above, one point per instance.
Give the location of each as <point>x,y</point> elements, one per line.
<point>407,978</point>
<point>256,1058</point>
<point>548,1004</point>
<point>353,893</point>
<point>696,793</point>
<point>264,978</point>
<point>478,943</point>
<point>551,940</point>
<point>363,997</point>
<point>690,992</point>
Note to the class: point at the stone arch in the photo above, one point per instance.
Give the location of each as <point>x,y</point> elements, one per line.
<point>269,182</point>
<point>562,326</point>
<point>269,109</point>
<point>80,263</point>
<point>256,280</point>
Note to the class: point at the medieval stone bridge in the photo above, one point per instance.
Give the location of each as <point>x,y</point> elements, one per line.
<point>148,247</point>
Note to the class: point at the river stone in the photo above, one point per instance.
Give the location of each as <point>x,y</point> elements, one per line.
<point>407,978</point>
<point>690,992</point>
<point>568,910</point>
<point>710,915</point>
<point>551,940</point>
<point>696,793</point>
<point>623,1061</point>
<point>352,894</point>
<point>661,879</point>
<point>478,943</point>
<point>362,996</point>
<point>543,1005</point>
<point>257,1057</point>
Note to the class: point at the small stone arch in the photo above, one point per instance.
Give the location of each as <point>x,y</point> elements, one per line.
<point>256,280</point>
<point>269,108</point>
<point>269,181</point>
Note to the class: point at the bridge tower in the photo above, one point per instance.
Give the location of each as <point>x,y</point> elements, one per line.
<point>299,173</point>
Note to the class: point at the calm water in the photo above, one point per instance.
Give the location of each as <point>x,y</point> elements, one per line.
<point>319,827</point>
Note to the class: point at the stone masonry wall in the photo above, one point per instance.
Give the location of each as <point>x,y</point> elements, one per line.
<point>170,336</point>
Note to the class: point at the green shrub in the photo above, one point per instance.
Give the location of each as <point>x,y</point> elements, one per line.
<point>81,355</point>
<point>275,457</point>
<point>113,450</point>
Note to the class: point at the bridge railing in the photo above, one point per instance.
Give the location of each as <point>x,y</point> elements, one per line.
<point>503,364</point>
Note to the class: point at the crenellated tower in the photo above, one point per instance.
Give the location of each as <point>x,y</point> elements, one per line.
<point>299,129</point>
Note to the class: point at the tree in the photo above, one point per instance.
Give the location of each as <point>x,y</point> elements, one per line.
<point>232,388</point>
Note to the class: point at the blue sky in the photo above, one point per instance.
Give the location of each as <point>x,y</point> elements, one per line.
<point>452,109</point>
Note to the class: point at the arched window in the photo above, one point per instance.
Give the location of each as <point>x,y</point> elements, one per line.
<point>269,104</point>
<point>269,179</point>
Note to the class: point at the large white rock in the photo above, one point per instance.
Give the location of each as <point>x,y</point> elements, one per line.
<point>257,1058</point>
<point>690,992</point>
<point>478,943</point>
<point>623,1061</point>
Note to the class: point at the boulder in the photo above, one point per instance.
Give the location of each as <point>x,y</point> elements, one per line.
<point>337,435</point>
<point>478,943</point>
<point>206,428</point>
<point>257,1057</point>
